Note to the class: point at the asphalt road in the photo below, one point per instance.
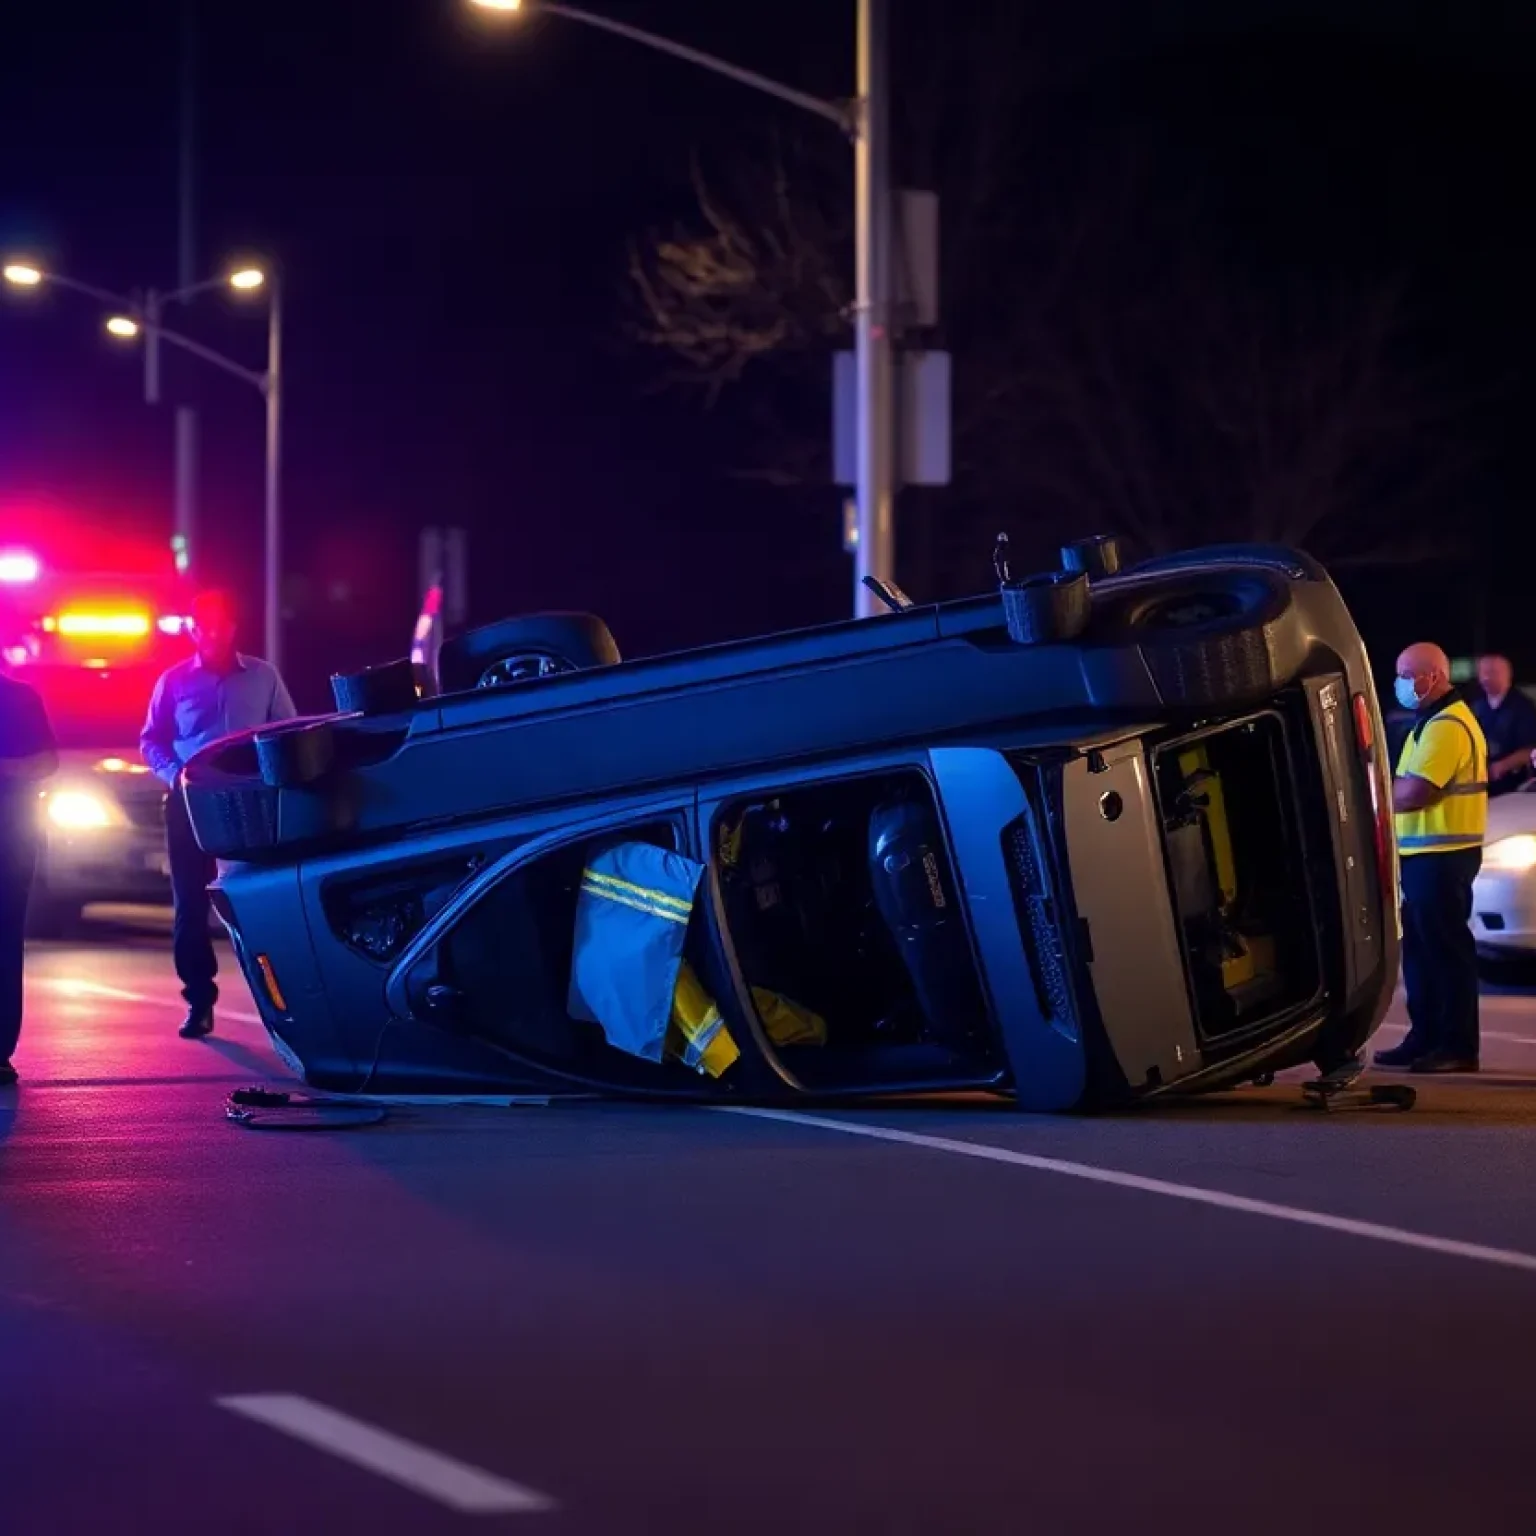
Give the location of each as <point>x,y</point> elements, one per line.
<point>1236,1316</point>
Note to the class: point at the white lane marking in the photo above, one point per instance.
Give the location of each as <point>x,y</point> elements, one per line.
<point>1507,1258</point>
<point>429,1473</point>
<point>68,986</point>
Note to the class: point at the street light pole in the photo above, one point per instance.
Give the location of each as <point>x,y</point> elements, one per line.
<point>866,121</point>
<point>874,549</point>
<point>152,309</point>
<point>272,386</point>
<point>142,318</point>
<point>186,417</point>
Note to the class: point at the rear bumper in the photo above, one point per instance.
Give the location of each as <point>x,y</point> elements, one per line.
<point>1504,912</point>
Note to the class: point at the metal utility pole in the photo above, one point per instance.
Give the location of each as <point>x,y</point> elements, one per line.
<point>874,552</point>
<point>186,418</point>
<point>273,385</point>
<point>152,311</point>
<point>867,122</point>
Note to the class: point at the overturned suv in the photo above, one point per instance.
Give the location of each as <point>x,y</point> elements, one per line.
<point>1101,835</point>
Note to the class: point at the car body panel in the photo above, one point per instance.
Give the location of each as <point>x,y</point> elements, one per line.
<point>1504,898</point>
<point>1136,966</point>
<point>1019,746</point>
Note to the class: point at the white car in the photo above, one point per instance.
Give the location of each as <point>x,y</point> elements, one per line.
<point>1504,893</point>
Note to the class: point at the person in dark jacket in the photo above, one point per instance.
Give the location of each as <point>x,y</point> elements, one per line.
<point>28,756</point>
<point>1508,719</point>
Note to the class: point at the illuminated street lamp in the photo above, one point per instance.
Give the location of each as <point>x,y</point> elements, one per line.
<point>128,320</point>
<point>864,120</point>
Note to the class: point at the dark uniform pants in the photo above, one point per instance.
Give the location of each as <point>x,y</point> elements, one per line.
<point>192,871</point>
<point>18,862</point>
<point>1439,952</point>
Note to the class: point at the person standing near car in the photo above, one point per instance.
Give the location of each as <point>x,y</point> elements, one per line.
<point>215,692</point>
<point>1508,719</point>
<point>1440,796</point>
<point>28,756</point>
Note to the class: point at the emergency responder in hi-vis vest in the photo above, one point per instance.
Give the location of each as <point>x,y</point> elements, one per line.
<point>1440,797</point>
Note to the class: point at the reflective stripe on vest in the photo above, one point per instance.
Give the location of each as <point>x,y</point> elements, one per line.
<point>1459,818</point>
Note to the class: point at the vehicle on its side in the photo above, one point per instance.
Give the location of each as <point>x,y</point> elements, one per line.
<point>92,643</point>
<point>1099,836</point>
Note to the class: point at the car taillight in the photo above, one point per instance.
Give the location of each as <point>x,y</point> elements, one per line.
<point>1365,736</point>
<point>1381,804</point>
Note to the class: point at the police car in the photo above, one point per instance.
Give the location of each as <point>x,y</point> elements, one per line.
<point>92,643</point>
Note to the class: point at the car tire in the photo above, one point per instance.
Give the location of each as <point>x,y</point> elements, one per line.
<point>382,690</point>
<point>572,642</point>
<point>1047,609</point>
<point>295,754</point>
<point>1219,647</point>
<point>1219,638</point>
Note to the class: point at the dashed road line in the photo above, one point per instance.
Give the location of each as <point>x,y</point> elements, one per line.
<point>454,1484</point>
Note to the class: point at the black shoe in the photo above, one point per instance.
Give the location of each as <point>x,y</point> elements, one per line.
<point>1443,1063</point>
<point>199,1022</point>
<point>7,1075</point>
<point>1400,1058</point>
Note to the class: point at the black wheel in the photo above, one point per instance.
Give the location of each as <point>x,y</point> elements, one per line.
<point>1214,640</point>
<point>381,690</point>
<point>525,649</point>
<point>1048,609</point>
<point>296,753</point>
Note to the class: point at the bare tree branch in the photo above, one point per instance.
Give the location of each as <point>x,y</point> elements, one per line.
<point>1118,361</point>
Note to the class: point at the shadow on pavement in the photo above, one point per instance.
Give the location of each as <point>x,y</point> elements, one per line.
<point>264,1067</point>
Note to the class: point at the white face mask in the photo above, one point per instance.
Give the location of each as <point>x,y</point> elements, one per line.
<point>1407,693</point>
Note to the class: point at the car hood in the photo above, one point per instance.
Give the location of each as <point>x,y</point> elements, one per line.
<point>122,772</point>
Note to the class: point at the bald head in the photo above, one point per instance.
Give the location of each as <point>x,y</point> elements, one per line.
<point>1423,675</point>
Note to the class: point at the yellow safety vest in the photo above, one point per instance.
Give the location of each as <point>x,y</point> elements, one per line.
<point>1449,751</point>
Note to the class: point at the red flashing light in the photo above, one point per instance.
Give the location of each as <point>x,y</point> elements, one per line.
<point>120,626</point>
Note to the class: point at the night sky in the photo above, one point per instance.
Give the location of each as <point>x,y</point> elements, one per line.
<point>448,199</point>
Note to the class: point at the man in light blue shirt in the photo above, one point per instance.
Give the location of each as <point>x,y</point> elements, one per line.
<point>213,693</point>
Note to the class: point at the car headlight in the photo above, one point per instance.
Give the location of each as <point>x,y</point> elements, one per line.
<point>1511,853</point>
<point>79,810</point>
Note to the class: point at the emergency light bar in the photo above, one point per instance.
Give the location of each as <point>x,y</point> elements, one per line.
<point>122,626</point>
<point>17,568</point>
